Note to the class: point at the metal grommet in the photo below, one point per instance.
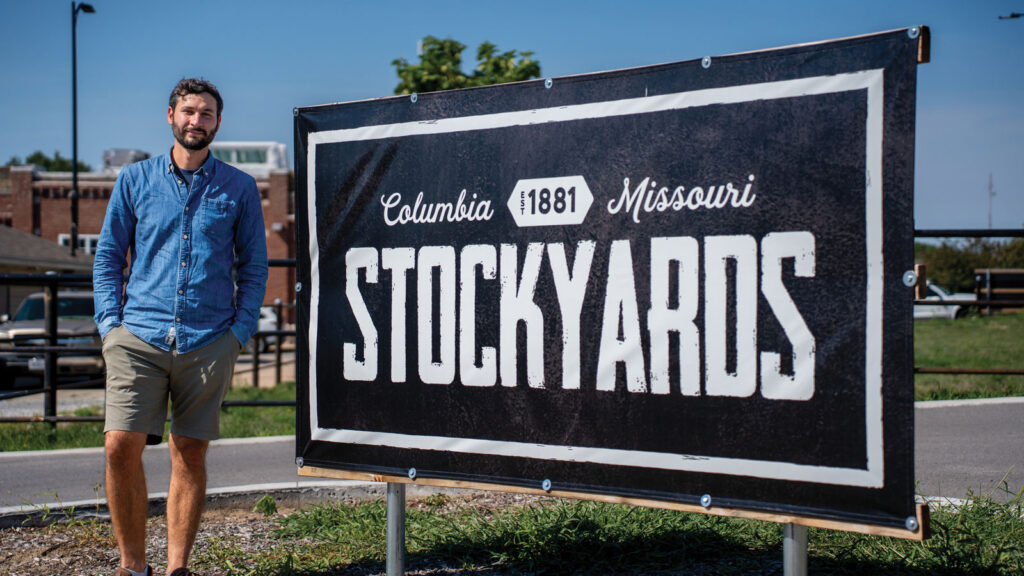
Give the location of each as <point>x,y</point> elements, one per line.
<point>706,62</point>
<point>412,473</point>
<point>548,83</point>
<point>913,32</point>
<point>909,278</point>
<point>414,97</point>
<point>298,286</point>
<point>295,111</point>
<point>546,485</point>
<point>911,524</point>
<point>299,462</point>
<point>705,500</point>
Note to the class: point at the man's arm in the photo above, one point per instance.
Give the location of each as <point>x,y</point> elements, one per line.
<point>251,260</point>
<point>111,256</point>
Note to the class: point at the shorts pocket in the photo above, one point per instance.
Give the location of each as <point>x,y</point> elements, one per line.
<point>112,335</point>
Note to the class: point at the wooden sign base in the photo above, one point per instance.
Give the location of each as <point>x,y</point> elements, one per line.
<point>919,534</point>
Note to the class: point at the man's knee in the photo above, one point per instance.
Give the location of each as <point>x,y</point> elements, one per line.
<point>190,451</point>
<point>124,448</point>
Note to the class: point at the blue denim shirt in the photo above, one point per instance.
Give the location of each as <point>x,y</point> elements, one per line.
<point>198,255</point>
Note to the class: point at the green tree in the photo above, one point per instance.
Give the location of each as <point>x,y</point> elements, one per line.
<point>440,67</point>
<point>1012,254</point>
<point>951,264</point>
<point>56,164</point>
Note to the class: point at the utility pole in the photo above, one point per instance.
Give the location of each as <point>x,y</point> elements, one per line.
<point>75,9</point>
<point>991,194</point>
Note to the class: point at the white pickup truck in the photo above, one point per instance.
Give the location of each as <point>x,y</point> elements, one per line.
<point>951,310</point>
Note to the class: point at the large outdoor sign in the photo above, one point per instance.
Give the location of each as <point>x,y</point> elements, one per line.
<point>668,283</point>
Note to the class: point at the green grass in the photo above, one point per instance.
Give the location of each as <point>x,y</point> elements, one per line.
<point>971,342</point>
<point>580,537</point>
<point>235,422</point>
<point>40,436</point>
<point>245,421</point>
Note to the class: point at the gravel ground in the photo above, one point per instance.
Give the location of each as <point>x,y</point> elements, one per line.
<point>88,548</point>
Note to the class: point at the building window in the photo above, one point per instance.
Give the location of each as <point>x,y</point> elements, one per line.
<point>36,219</point>
<point>252,156</point>
<point>86,242</point>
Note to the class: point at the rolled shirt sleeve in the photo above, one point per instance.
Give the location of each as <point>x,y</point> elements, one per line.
<point>251,263</point>
<point>111,257</point>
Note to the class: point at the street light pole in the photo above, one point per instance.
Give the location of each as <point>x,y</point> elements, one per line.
<point>88,9</point>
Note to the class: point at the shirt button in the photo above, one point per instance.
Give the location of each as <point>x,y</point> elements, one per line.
<point>186,208</point>
<point>181,291</point>
<point>183,264</point>
<point>185,236</point>
<point>177,319</point>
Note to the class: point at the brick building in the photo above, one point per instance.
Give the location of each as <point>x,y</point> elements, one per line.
<point>38,202</point>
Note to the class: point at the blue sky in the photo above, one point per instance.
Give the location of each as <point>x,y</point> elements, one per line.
<point>269,56</point>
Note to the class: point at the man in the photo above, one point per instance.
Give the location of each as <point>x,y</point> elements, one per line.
<point>194,229</point>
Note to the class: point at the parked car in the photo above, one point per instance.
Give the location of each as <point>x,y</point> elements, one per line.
<point>951,310</point>
<point>75,328</point>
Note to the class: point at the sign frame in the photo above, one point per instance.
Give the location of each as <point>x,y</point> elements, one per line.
<point>472,110</point>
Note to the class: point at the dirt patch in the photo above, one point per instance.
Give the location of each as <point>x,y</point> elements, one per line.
<point>88,548</point>
<point>230,539</point>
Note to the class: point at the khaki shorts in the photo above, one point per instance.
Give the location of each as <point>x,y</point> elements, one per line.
<point>141,378</point>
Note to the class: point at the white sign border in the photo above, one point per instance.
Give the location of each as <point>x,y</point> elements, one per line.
<point>872,476</point>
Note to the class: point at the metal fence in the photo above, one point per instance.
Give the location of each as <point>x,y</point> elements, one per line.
<point>987,302</point>
<point>52,350</point>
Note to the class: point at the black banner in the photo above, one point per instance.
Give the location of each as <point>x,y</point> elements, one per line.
<point>661,282</point>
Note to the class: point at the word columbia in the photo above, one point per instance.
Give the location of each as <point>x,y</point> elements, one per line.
<point>433,212</point>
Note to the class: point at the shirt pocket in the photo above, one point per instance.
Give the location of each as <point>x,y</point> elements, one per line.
<point>217,216</point>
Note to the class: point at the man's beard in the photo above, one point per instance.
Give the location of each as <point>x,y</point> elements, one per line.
<point>191,142</point>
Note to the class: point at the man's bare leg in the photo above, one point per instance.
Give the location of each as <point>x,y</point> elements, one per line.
<point>127,498</point>
<point>185,497</point>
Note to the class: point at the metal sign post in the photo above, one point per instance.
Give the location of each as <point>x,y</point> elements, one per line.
<point>396,529</point>
<point>794,550</point>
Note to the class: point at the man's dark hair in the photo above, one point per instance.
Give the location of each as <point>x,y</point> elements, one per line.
<point>196,86</point>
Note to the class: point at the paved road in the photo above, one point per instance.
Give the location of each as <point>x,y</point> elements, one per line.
<point>959,447</point>
<point>969,445</point>
<point>77,475</point>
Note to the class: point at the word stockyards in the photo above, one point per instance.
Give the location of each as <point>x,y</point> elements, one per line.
<point>457,273</point>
